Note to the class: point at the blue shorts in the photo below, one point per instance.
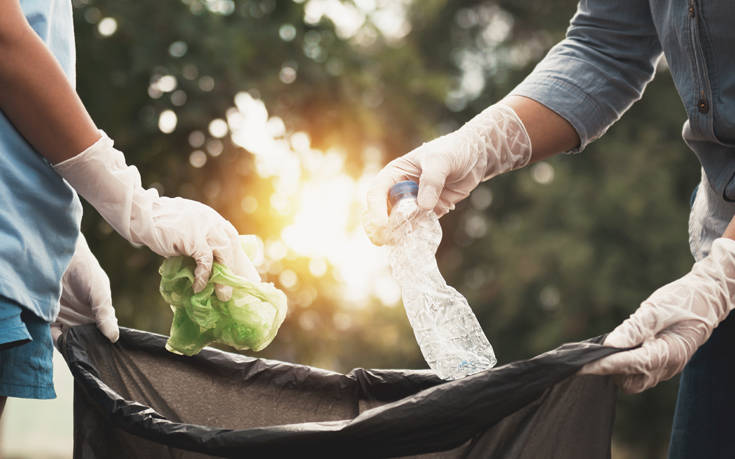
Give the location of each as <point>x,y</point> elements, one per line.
<point>26,352</point>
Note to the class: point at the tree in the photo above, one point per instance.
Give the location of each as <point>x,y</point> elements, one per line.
<point>560,251</point>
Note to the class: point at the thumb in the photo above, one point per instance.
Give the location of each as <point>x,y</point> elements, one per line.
<point>100,303</point>
<point>374,216</point>
<point>434,172</point>
<point>637,369</point>
<point>203,270</point>
<point>620,363</point>
<point>229,253</point>
<point>108,326</point>
<point>55,333</point>
<point>640,326</point>
<point>104,317</point>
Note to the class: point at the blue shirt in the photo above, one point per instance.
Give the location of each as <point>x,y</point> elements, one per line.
<point>609,56</point>
<point>40,212</point>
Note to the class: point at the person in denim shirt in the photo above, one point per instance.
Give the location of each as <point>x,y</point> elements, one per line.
<point>583,85</point>
<point>50,151</point>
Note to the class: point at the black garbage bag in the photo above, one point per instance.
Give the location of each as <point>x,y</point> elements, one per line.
<point>133,399</point>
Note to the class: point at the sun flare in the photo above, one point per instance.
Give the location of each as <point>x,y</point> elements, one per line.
<point>320,201</point>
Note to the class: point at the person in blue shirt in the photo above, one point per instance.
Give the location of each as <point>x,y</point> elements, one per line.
<point>51,152</point>
<point>583,85</point>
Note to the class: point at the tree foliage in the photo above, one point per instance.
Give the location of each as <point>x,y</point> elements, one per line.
<point>555,252</point>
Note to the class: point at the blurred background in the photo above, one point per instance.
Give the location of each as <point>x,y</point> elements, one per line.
<point>277,113</point>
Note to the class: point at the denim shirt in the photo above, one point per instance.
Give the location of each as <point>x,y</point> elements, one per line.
<point>39,212</point>
<point>610,54</point>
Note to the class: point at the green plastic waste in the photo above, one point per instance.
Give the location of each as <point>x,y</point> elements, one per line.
<point>249,320</point>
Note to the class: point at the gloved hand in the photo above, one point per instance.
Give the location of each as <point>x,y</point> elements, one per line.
<point>85,295</point>
<point>672,323</point>
<point>448,168</point>
<point>168,226</point>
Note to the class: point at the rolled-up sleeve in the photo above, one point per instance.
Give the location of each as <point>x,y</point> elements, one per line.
<point>600,69</point>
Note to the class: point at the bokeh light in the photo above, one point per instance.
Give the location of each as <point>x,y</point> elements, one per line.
<point>167,121</point>
<point>319,200</point>
<point>107,27</point>
<point>542,173</point>
<point>197,159</point>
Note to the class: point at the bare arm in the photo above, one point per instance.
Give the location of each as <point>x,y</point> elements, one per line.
<point>730,230</point>
<point>36,96</point>
<point>549,133</point>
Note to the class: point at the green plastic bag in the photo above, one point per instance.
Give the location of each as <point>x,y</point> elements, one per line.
<point>249,320</point>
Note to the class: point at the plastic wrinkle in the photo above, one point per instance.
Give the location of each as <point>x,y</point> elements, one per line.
<point>250,319</point>
<point>167,226</point>
<point>449,167</point>
<point>85,294</point>
<point>266,408</point>
<point>673,322</point>
<point>447,331</point>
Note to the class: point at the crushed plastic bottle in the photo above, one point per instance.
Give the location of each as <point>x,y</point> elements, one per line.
<point>446,329</point>
<point>249,320</point>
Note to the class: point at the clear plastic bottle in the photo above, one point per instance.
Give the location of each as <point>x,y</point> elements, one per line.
<point>446,329</point>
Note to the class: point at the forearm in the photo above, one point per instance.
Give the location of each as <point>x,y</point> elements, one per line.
<point>507,136</point>
<point>730,230</point>
<point>36,96</point>
<point>594,75</point>
<point>549,133</point>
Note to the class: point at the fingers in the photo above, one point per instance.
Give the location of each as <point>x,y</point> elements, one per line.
<point>73,312</point>
<point>644,367</point>
<point>228,251</point>
<point>434,172</point>
<point>86,296</point>
<point>108,327</point>
<point>640,326</point>
<point>627,363</point>
<point>203,259</point>
<point>447,199</point>
<point>635,384</point>
<point>100,301</point>
<point>632,370</point>
<point>375,213</point>
<point>430,165</point>
<point>104,317</point>
<point>239,263</point>
<point>103,312</point>
<point>224,247</point>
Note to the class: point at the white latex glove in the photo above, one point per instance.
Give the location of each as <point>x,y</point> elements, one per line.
<point>672,323</point>
<point>168,226</point>
<point>85,295</point>
<point>448,168</point>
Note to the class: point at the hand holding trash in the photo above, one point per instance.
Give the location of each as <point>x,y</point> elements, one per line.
<point>168,226</point>
<point>249,319</point>
<point>448,168</point>
<point>672,323</point>
<point>85,295</point>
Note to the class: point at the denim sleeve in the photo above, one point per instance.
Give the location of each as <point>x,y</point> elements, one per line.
<point>600,69</point>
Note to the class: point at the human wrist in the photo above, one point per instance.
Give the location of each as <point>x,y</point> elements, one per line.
<point>718,271</point>
<point>101,176</point>
<point>498,134</point>
<point>99,144</point>
<point>730,230</point>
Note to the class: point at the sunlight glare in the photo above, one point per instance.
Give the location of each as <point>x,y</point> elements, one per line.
<point>319,200</point>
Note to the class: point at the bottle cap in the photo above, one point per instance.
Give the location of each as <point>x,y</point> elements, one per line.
<point>401,190</point>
